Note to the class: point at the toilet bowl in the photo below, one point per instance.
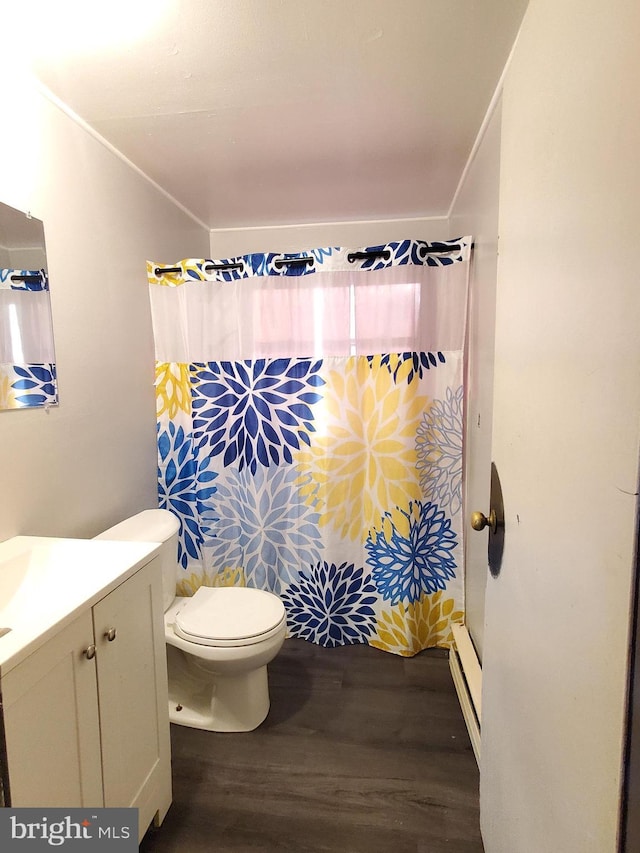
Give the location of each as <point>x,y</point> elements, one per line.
<point>219,641</point>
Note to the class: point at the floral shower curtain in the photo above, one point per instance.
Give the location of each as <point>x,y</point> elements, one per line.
<point>310,422</point>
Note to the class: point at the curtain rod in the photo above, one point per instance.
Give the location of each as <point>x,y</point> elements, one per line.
<point>234,266</point>
<point>26,278</point>
<point>207,268</point>
<point>352,257</point>
<point>432,249</point>
<point>280,262</point>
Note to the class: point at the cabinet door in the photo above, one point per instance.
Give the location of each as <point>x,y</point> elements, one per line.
<point>51,723</point>
<point>132,692</point>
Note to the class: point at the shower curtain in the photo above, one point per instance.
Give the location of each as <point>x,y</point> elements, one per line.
<point>310,422</point>
<point>27,360</point>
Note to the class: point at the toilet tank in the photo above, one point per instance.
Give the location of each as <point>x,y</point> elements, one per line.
<point>153,525</point>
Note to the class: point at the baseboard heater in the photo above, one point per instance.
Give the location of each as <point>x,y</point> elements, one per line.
<point>467,677</point>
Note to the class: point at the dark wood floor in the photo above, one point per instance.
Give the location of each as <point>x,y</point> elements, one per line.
<point>362,752</point>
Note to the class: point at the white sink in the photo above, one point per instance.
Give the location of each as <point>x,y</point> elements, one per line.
<point>44,582</point>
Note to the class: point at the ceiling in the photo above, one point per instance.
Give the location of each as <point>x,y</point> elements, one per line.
<point>271,112</point>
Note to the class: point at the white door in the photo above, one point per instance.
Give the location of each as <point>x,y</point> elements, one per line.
<point>566,432</point>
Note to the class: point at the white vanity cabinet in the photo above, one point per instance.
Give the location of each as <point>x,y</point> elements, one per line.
<point>133,696</point>
<point>86,713</point>
<point>52,724</point>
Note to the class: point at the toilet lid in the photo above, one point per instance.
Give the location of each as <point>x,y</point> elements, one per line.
<point>229,616</point>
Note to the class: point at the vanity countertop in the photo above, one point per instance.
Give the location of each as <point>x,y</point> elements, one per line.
<point>46,582</point>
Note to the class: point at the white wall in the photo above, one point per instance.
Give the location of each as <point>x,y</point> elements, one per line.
<point>79,467</point>
<point>228,243</point>
<point>475,212</point>
<point>566,431</point>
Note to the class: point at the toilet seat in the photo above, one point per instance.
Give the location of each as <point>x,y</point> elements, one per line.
<point>229,616</point>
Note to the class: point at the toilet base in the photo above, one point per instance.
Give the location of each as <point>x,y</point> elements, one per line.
<point>220,703</point>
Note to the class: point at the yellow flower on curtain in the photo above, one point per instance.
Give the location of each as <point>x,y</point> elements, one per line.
<point>228,576</point>
<point>362,457</point>
<point>406,629</point>
<point>189,268</point>
<point>189,585</point>
<point>7,394</point>
<point>173,392</point>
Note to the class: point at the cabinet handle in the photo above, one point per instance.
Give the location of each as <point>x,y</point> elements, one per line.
<point>110,634</point>
<point>90,652</point>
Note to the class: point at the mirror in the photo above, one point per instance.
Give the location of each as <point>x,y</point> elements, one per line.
<point>27,357</point>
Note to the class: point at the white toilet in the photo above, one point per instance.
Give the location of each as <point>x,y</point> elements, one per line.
<point>219,641</point>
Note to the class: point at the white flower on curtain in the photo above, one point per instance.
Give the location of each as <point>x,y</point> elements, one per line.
<point>439,451</point>
<point>260,523</point>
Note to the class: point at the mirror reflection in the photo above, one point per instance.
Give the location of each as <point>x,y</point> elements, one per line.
<point>27,357</point>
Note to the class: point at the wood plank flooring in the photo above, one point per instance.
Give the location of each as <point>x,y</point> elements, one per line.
<point>362,752</point>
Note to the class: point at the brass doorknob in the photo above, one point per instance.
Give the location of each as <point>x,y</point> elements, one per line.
<point>479,521</point>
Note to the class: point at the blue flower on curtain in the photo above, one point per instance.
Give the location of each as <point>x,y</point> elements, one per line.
<point>439,451</point>
<point>261,523</point>
<point>183,488</point>
<point>408,364</point>
<point>255,412</point>
<point>37,382</point>
<point>331,605</point>
<point>412,554</point>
